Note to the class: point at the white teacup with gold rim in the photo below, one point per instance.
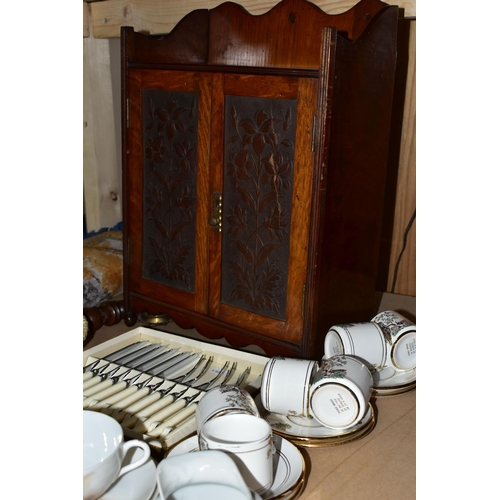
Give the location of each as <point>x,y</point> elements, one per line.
<point>365,341</point>
<point>285,386</point>
<point>340,392</point>
<point>104,450</point>
<point>401,335</point>
<point>223,400</point>
<point>248,440</point>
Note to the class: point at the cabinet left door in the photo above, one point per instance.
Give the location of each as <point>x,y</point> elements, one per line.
<point>166,183</point>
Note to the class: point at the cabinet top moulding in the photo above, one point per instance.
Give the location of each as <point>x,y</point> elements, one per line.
<point>287,36</point>
<point>158,17</point>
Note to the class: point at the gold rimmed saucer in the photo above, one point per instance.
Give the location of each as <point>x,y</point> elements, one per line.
<point>317,435</point>
<point>381,392</point>
<point>397,383</point>
<point>289,467</point>
<point>293,493</point>
<point>356,436</point>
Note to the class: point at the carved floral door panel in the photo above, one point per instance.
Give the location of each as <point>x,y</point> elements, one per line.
<point>261,163</point>
<point>168,172</point>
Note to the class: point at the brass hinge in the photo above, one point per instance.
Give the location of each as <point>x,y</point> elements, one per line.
<point>128,112</point>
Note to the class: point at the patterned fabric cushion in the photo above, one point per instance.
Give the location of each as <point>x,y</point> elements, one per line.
<point>102,267</point>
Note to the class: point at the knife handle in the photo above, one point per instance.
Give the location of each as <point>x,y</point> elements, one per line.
<point>133,398</point>
<point>135,408</point>
<point>159,417</point>
<point>111,397</point>
<point>154,405</point>
<point>104,384</point>
<point>87,384</point>
<point>163,405</point>
<point>101,397</point>
<point>171,422</point>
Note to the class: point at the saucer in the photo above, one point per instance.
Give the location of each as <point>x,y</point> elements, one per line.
<point>289,467</point>
<point>138,484</point>
<point>390,382</point>
<point>310,433</point>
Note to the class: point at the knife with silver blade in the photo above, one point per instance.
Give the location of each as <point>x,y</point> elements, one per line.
<point>153,354</point>
<point>154,359</point>
<point>137,355</point>
<point>157,369</point>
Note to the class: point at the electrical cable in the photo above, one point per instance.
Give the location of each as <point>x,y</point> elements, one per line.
<point>407,230</point>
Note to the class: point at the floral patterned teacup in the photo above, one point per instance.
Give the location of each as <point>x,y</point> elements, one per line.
<point>401,336</point>
<point>248,440</point>
<point>365,341</point>
<point>340,392</point>
<point>223,400</point>
<point>285,386</point>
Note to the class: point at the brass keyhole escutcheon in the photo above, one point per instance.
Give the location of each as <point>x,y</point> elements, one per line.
<point>216,219</point>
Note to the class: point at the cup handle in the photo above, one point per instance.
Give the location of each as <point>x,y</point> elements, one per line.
<point>202,444</point>
<point>135,443</point>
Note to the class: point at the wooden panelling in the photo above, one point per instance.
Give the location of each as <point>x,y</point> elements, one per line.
<point>101,165</point>
<point>406,189</point>
<point>160,16</point>
<point>86,20</point>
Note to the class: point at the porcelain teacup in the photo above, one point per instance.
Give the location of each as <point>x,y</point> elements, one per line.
<point>285,386</point>
<point>208,474</point>
<point>365,341</point>
<point>224,400</point>
<point>401,334</point>
<point>340,392</point>
<point>248,440</point>
<point>103,452</point>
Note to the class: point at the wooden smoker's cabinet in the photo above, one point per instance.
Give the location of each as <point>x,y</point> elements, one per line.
<point>254,168</point>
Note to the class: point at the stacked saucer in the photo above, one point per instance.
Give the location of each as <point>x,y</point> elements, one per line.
<point>316,405</point>
<point>288,466</point>
<point>309,433</point>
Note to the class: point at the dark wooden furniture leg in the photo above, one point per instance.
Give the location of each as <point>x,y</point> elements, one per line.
<point>110,313</point>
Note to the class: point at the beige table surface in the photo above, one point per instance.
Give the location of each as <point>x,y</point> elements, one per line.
<point>381,465</point>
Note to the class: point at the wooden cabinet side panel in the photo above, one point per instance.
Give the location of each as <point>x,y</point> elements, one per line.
<point>354,198</point>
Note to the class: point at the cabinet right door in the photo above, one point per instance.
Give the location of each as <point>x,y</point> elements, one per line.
<point>262,165</point>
